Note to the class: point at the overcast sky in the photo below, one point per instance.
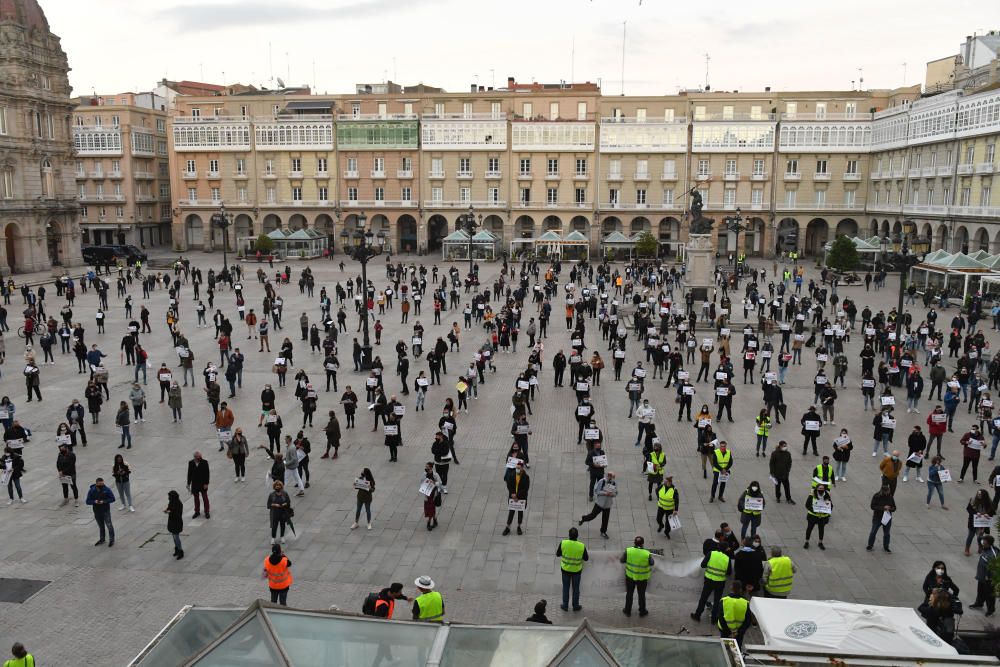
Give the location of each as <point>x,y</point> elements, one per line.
<point>128,45</point>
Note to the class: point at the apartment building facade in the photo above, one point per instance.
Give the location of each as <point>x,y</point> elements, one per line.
<point>122,169</point>
<point>797,165</point>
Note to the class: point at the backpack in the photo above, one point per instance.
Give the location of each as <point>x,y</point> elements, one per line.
<point>368,606</point>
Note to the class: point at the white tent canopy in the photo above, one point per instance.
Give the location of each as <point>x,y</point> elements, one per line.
<point>843,628</point>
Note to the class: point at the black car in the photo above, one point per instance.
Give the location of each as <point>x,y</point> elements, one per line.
<point>131,253</point>
<point>101,254</point>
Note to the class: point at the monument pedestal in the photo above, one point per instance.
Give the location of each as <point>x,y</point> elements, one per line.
<point>700,260</point>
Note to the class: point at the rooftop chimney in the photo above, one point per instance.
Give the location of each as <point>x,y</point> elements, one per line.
<point>472,88</point>
<point>510,82</point>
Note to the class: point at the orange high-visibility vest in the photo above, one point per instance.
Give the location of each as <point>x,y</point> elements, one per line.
<point>278,576</point>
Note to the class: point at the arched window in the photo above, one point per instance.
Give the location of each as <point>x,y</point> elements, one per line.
<point>48,183</point>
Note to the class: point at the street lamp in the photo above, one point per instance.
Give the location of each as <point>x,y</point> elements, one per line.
<point>899,255</point>
<point>222,221</point>
<point>469,222</point>
<point>366,246</point>
<point>734,223</point>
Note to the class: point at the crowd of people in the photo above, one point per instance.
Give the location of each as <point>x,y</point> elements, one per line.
<point>639,317</point>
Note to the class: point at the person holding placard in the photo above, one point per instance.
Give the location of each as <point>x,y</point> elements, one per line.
<point>365,485</point>
<point>722,463</point>
<point>819,507</point>
<point>584,413</point>
<point>751,506</point>
<point>980,511</point>
<point>972,446</point>
<point>842,447</point>
<point>883,507</point>
<point>430,488</point>
<point>66,470</point>
<point>518,485</point>
<point>811,423</point>
<point>645,413</point>
<point>952,397</point>
<point>655,462</point>
<point>724,392</point>
<point>762,430</point>
<point>442,450</point>
<point>884,424</point>
<point>917,446</point>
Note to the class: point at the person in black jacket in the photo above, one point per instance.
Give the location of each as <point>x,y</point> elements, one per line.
<point>748,564</point>
<point>197,483</point>
<point>559,366</point>
<point>938,578</point>
<point>175,521</point>
<point>517,486</point>
<point>882,502</point>
<point>66,469</point>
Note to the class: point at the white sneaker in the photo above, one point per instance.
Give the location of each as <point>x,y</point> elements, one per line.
<point>369,526</point>
<point>121,509</point>
<point>920,479</point>
<point>24,500</point>
<point>874,454</point>
<point>131,509</point>
<point>282,540</point>
<point>354,525</point>
<point>908,411</point>
<point>916,411</point>
<point>905,480</point>
<point>10,502</point>
<point>142,419</point>
<point>236,479</point>
<point>274,541</point>
<point>243,479</point>
<point>843,479</point>
<point>445,489</point>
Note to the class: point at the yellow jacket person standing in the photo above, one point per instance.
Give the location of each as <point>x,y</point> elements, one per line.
<point>572,554</point>
<point>638,567</point>
<point>735,616</point>
<point>779,574</point>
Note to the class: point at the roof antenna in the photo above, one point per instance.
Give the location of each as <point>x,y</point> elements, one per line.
<point>624,24</point>
<point>707,59</point>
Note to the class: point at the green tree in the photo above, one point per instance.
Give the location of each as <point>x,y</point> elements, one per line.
<point>645,245</point>
<point>843,255</point>
<point>264,243</point>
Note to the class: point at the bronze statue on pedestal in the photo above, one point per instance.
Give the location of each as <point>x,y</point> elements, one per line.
<point>699,223</point>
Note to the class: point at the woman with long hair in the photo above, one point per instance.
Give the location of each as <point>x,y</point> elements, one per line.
<point>175,521</point>
<point>980,507</point>
<point>365,484</point>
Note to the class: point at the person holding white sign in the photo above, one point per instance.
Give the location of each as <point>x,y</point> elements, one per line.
<point>917,445</point>
<point>517,486</point>
<point>722,463</point>
<point>884,424</point>
<point>934,482</point>
<point>365,484</point>
<point>811,423</point>
<point>819,507</point>
<point>980,510</point>
<point>883,508</point>
<point>751,506</point>
<point>972,446</point>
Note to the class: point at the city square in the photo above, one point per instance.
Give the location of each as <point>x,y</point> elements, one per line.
<point>384,341</point>
<point>484,575</point>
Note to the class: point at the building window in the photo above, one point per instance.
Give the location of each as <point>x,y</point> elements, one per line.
<point>966,197</point>
<point>405,194</point>
<point>668,197</point>
<point>378,165</point>
<point>640,115</point>
<point>727,112</point>
<point>850,197</point>
<point>270,195</point>
<point>553,110</point>
<point>439,108</point>
<point>269,167</point>
<point>116,166</point>
<point>851,109</point>
<point>493,195</point>
<point>213,166</point>
<point>552,195</point>
<point>324,193</point>
<point>524,195</point>
<point>119,212</point>
<point>984,196</point>
<point>990,152</point>
<point>820,110</point>
<point>580,196</point>
<point>699,113</point>
<point>613,196</point>
<point>8,183</point>
<point>493,165</point>
<point>729,197</point>
<point>730,167</point>
<point>791,108</point>
<point>241,194</point>
<point>437,194</point>
<point>970,153</point>
<point>930,195</point>
<point>525,166</point>
<point>241,166</point>
<point>820,198</point>
<point>790,198</point>
<point>526,109</point>
<point>792,166</point>
<point>703,168</point>
<point>552,166</point>
<point>296,193</point>
<point>670,168</point>
<point>352,165</point>
<point>464,165</point>
<point>380,194</point>
<point>852,167</point>
<point>216,195</point>
<point>467,109</point>
<point>642,168</point>
<point>615,168</point>
<point>756,198</point>
<point>406,164</point>
<point>321,165</point>
<point>946,199</point>
<point>495,110</point>
<point>352,194</point>
<point>581,166</point>
<point>755,112</point>
<point>758,167</point>
<point>355,109</point>
<point>192,194</point>
<point>640,196</point>
<point>190,166</point>
<point>821,166</point>
<point>408,108</point>
<point>296,164</point>
<point>437,167</point>
<point>83,212</point>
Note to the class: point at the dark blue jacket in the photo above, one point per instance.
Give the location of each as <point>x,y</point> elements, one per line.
<point>103,494</point>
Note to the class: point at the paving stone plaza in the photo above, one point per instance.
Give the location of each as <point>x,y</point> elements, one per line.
<point>103,604</point>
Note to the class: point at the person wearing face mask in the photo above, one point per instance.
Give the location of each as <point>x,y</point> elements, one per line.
<point>819,507</point>
<point>917,444</point>
<point>883,508</point>
<point>972,446</point>
<point>780,467</point>
<point>722,463</point>
<point>749,512</point>
<point>938,578</point>
<point>748,564</point>
<point>668,502</point>
<point>890,468</point>
<point>842,447</point>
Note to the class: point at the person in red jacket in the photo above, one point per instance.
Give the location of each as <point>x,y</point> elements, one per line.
<point>937,424</point>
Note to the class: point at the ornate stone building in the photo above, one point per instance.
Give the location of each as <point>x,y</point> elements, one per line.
<point>38,209</point>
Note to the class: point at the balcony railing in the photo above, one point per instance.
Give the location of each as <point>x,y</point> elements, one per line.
<point>96,173</point>
<point>852,176</point>
<point>821,176</point>
<point>641,176</point>
<point>978,211</point>
<point>731,176</point>
<point>81,174</point>
<point>927,172</point>
<point>494,174</point>
<point>897,173</point>
<point>270,174</point>
<point>944,170</point>
<point>378,173</point>
<point>463,173</point>
<point>876,174</point>
<point>143,175</point>
<point>404,173</point>
<point>322,173</point>
<point>377,116</point>
<point>984,168</point>
<point>761,176</point>
<point>463,116</point>
<point>737,115</point>
<point>212,174</point>
<point>437,174</point>
<point>818,206</point>
<point>937,209</point>
<point>116,175</point>
<point>295,174</point>
<point>825,116</point>
<point>350,173</point>
<point>633,120</point>
<point>581,176</point>
<point>615,177</point>
<point>240,174</point>
<point>552,176</point>
<point>464,203</point>
<point>668,176</point>
<point>377,203</point>
<point>703,177</point>
<point>524,176</point>
<point>793,176</point>
<point>965,169</point>
<point>190,175</point>
<point>914,172</point>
